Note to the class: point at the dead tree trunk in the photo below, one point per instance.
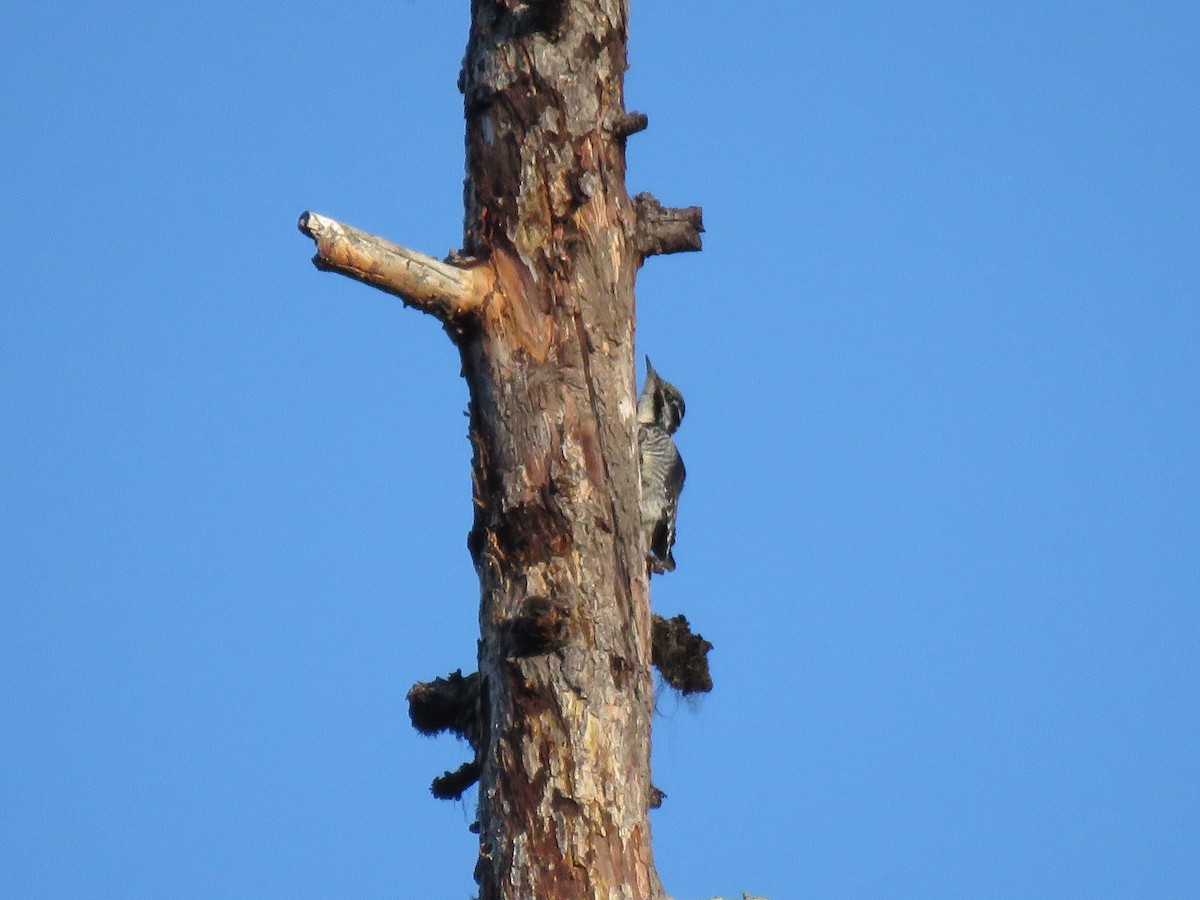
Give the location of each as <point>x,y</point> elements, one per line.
<point>541,306</point>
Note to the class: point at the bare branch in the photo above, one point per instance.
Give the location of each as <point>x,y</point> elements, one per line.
<point>422,282</point>
<point>665,229</point>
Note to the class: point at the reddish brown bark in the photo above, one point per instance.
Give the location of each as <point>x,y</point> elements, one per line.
<point>564,786</point>
<point>541,306</point>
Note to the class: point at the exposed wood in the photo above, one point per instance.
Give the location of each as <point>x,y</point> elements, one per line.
<point>565,783</point>
<point>541,304</point>
<point>441,289</point>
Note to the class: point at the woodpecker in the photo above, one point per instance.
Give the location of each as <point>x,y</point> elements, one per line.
<point>659,411</point>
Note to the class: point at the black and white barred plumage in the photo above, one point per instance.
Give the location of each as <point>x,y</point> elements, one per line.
<point>660,410</point>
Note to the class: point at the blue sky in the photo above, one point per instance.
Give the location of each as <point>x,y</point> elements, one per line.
<point>942,520</point>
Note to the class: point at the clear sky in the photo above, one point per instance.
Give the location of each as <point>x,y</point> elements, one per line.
<point>941,356</point>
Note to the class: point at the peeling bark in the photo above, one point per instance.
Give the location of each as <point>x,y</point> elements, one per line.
<point>565,619</point>
<point>540,303</point>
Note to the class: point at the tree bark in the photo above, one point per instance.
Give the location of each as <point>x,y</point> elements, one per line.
<point>541,306</point>
<point>564,780</point>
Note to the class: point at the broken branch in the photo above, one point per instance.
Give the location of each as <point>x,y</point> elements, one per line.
<point>665,229</point>
<point>624,124</point>
<point>446,704</point>
<point>452,785</point>
<point>680,656</point>
<point>422,282</point>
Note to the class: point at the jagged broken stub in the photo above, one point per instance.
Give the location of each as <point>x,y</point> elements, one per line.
<point>664,229</point>
<point>450,704</point>
<point>680,656</point>
<point>446,704</point>
<point>657,796</point>
<point>624,124</point>
<point>452,785</point>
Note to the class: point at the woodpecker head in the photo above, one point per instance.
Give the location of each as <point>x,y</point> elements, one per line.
<point>661,403</point>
